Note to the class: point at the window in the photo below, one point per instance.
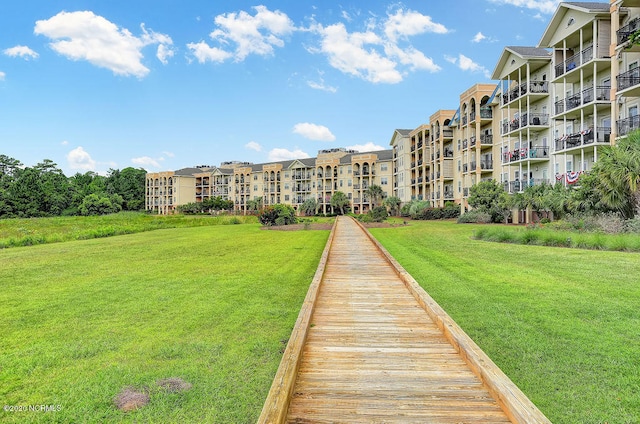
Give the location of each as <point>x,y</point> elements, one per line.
<point>341,182</point>
<point>255,177</point>
<point>569,165</point>
<point>286,186</point>
<point>633,111</point>
<point>255,188</point>
<point>384,181</point>
<point>349,183</point>
<point>286,197</point>
<point>383,167</point>
<point>286,175</point>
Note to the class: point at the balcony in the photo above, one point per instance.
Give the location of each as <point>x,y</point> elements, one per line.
<point>602,93</point>
<point>526,153</point>
<point>472,141</point>
<point>574,61</point>
<point>486,165</point>
<point>465,192</point>
<point>628,79</point>
<point>448,153</point>
<point>464,120</point>
<point>486,139</point>
<point>601,135</point>
<point>534,87</point>
<point>627,125</point>
<point>447,133</point>
<point>486,112</point>
<point>472,116</point>
<point>625,32</point>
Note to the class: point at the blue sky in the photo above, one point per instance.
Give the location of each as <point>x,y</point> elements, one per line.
<point>166,84</point>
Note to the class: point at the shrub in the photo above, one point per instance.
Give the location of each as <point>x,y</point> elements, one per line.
<point>475,217</point>
<point>378,214</point>
<point>610,223</point>
<point>633,225</point>
<point>278,214</point>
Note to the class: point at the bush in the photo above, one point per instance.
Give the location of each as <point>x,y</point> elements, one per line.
<point>611,223</point>
<point>378,214</point>
<point>633,225</point>
<point>278,214</point>
<point>475,217</point>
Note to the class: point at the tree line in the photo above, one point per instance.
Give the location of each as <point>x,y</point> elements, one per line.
<point>43,190</point>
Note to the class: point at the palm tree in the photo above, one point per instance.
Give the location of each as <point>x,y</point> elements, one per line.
<point>393,203</point>
<point>339,200</point>
<point>310,206</point>
<point>375,193</point>
<point>618,169</point>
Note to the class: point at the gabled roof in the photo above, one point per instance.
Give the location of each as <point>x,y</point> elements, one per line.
<point>523,52</point>
<point>401,133</point>
<point>594,8</point>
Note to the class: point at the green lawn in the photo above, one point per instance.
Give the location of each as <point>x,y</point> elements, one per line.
<point>81,320</point>
<point>563,324</point>
<point>32,231</point>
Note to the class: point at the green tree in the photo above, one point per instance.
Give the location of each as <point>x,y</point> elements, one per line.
<point>95,204</point>
<point>255,204</point>
<point>375,193</point>
<point>393,203</point>
<point>618,171</point>
<point>340,201</point>
<point>310,206</point>
<point>489,196</point>
<point>129,184</point>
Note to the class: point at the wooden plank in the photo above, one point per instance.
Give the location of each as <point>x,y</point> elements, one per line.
<point>372,349</point>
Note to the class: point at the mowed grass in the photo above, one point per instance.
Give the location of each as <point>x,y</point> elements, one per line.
<point>563,324</point>
<point>32,231</point>
<point>214,306</point>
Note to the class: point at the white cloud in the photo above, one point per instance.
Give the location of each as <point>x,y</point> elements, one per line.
<point>367,147</point>
<point>204,53</point>
<point>544,6</point>
<point>2,76</point>
<point>313,131</point>
<point>164,53</point>
<point>21,51</point>
<point>86,36</point>
<point>252,145</point>
<point>276,155</point>
<point>404,24</point>
<point>478,37</point>
<point>354,54</point>
<point>146,161</point>
<point>321,86</point>
<point>79,159</point>
<point>169,154</point>
<point>64,142</point>
<point>467,64</point>
<point>257,34</point>
<point>376,55</point>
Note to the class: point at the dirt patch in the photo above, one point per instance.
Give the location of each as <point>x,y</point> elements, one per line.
<point>174,385</point>
<point>129,399</point>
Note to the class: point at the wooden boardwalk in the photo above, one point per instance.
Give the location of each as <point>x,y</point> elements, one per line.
<point>369,347</point>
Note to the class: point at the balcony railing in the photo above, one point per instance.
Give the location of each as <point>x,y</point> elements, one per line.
<point>525,153</point>
<point>486,112</point>
<point>486,164</point>
<point>627,125</point>
<point>589,136</point>
<point>602,93</point>
<point>486,139</point>
<point>574,61</point>
<point>534,87</point>
<point>448,133</point>
<point>625,32</point>
<point>628,79</point>
<point>472,116</point>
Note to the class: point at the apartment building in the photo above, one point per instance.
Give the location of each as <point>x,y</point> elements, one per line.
<point>625,57</point>
<point>525,120</point>
<point>474,151</point>
<point>290,182</point>
<point>401,148</point>
<point>545,121</point>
